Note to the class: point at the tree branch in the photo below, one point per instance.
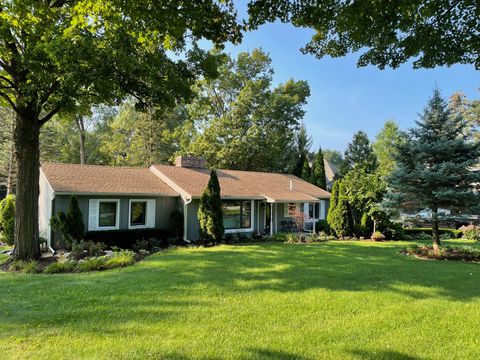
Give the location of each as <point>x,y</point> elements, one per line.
<point>10,101</point>
<point>49,115</point>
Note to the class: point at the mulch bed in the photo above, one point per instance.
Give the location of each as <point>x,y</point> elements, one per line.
<point>426,252</point>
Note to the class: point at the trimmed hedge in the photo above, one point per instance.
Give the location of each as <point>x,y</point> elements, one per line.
<point>125,239</point>
<point>455,234</point>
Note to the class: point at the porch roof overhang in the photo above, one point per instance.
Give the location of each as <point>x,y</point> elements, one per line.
<point>291,198</point>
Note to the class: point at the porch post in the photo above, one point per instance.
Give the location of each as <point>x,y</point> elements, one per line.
<point>314,218</point>
<point>271,219</point>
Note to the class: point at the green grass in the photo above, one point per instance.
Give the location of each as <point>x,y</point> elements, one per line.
<point>335,300</point>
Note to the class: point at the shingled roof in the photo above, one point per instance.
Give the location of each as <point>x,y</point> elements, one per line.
<point>94,179</point>
<point>190,182</point>
<point>167,180</point>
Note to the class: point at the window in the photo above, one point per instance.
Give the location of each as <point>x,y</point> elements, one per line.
<point>289,209</point>
<point>138,213</point>
<point>317,210</point>
<point>237,214</point>
<point>107,213</point>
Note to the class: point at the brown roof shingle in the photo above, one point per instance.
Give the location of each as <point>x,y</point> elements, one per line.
<point>241,184</point>
<point>94,179</point>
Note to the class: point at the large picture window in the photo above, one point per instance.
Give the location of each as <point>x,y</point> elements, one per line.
<point>138,213</point>
<point>237,214</point>
<point>317,210</point>
<point>107,213</point>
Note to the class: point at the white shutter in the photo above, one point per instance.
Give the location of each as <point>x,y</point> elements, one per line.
<point>92,215</point>
<point>151,204</point>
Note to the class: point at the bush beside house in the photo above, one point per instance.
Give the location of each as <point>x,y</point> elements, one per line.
<point>7,219</point>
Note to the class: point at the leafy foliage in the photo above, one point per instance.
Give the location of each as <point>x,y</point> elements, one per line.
<point>429,32</point>
<point>210,212</point>
<point>243,122</point>
<point>385,147</point>
<point>7,219</point>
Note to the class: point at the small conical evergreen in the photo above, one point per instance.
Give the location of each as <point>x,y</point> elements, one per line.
<point>74,218</point>
<point>210,212</point>
<point>318,170</point>
<point>433,167</point>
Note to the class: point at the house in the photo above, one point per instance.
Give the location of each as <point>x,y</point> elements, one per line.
<point>127,198</point>
<point>330,173</point>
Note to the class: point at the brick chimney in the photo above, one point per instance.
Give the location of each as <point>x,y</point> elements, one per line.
<point>189,161</point>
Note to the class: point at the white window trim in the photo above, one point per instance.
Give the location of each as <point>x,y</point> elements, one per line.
<point>117,216</point>
<point>147,211</point>
<point>252,217</point>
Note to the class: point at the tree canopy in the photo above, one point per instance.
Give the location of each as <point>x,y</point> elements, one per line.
<point>56,54</point>
<point>387,34</point>
<point>385,147</point>
<point>359,153</point>
<point>243,121</point>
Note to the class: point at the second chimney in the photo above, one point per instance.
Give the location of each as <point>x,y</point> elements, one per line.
<point>189,161</point>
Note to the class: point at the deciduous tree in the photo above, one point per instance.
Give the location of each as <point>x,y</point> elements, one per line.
<point>54,53</point>
<point>428,32</point>
<point>385,147</point>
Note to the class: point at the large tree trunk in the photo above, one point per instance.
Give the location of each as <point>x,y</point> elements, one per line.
<point>27,152</point>
<point>11,165</point>
<point>435,233</point>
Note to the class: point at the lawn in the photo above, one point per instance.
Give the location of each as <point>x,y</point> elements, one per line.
<point>347,300</point>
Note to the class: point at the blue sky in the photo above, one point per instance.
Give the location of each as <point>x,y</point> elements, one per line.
<point>344,98</point>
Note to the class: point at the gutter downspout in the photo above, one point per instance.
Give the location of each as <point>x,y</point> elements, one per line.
<point>185,217</point>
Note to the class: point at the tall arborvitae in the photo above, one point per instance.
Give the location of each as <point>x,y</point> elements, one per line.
<point>339,215</point>
<point>433,167</point>
<point>210,212</point>
<point>74,219</point>
<point>318,170</point>
<point>307,170</point>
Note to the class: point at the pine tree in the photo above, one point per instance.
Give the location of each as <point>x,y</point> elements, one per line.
<point>318,170</point>
<point>307,170</point>
<point>433,165</point>
<point>339,216</point>
<point>359,153</point>
<point>210,212</point>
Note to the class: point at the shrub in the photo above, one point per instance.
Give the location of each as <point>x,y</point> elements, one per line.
<point>61,267</point>
<point>70,225</point>
<point>120,259</point>
<point>230,239</point>
<point>92,264</point>
<point>7,219</point>
<point>454,234</point>
<point>322,225</point>
<point>125,239</point>
<point>84,248</point>
<point>360,230</point>
<point>392,231</point>
<point>26,267</point>
<point>176,225</point>
<point>291,238</point>
<point>378,236</point>
<point>471,232</point>
<point>281,237</point>
<point>140,245</point>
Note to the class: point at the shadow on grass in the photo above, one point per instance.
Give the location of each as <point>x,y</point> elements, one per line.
<point>382,355</point>
<point>149,292</point>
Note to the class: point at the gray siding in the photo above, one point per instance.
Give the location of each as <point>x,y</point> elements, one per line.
<point>163,210</point>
